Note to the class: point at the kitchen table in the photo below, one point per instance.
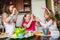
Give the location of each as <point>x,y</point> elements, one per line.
<point>37,36</point>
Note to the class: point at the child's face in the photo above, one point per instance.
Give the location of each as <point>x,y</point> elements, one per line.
<point>11,8</point>
<point>46,15</point>
<point>28,16</point>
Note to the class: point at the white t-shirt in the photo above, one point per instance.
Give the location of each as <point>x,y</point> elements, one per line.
<point>9,28</point>
<point>50,25</point>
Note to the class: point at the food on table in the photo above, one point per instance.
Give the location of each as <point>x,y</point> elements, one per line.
<point>22,29</point>
<point>16,30</point>
<point>36,32</point>
<point>20,35</point>
<point>14,36</point>
<point>19,30</point>
<point>30,33</point>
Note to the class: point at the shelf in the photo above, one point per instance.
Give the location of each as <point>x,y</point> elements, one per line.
<point>25,5</point>
<point>25,12</point>
<point>27,9</point>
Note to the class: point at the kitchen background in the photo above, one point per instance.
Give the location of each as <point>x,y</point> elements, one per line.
<point>31,6</point>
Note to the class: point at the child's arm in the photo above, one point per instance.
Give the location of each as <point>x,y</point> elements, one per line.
<point>16,15</point>
<point>15,18</point>
<point>46,24</point>
<point>28,25</point>
<point>37,22</point>
<point>6,18</point>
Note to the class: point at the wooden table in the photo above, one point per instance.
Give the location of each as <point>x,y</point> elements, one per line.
<point>3,35</point>
<point>41,34</point>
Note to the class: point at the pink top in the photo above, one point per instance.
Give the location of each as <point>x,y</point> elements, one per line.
<point>32,26</point>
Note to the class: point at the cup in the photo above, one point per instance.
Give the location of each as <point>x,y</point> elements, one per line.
<point>45,31</point>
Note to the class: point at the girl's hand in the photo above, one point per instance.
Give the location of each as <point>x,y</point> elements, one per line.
<point>43,7</point>
<point>31,16</point>
<point>34,17</point>
<point>37,19</point>
<point>38,22</point>
<point>14,10</point>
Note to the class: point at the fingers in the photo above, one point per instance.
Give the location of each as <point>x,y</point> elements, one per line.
<point>31,16</point>
<point>14,10</point>
<point>43,7</point>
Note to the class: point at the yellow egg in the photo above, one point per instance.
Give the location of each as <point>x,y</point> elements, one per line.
<point>18,31</point>
<point>14,35</point>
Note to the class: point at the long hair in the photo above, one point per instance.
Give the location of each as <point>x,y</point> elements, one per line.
<point>6,9</point>
<point>51,16</point>
<point>25,16</point>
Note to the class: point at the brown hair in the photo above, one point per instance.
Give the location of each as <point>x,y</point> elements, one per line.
<point>25,16</point>
<point>51,16</point>
<point>6,9</point>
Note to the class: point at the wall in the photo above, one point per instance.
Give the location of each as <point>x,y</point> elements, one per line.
<point>36,10</point>
<point>58,8</point>
<point>49,6</point>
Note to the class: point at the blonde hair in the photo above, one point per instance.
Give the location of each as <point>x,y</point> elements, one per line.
<point>51,16</point>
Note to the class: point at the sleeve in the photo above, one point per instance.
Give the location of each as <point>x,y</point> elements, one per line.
<point>24,23</point>
<point>46,24</point>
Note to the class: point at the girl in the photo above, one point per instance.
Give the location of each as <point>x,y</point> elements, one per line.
<point>50,20</point>
<point>8,19</point>
<point>29,22</point>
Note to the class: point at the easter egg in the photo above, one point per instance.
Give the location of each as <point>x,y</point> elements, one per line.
<point>22,30</point>
<point>17,30</point>
<point>30,33</point>
<point>14,35</point>
<point>20,36</point>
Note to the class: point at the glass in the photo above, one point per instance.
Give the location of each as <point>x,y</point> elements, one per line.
<point>45,30</point>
